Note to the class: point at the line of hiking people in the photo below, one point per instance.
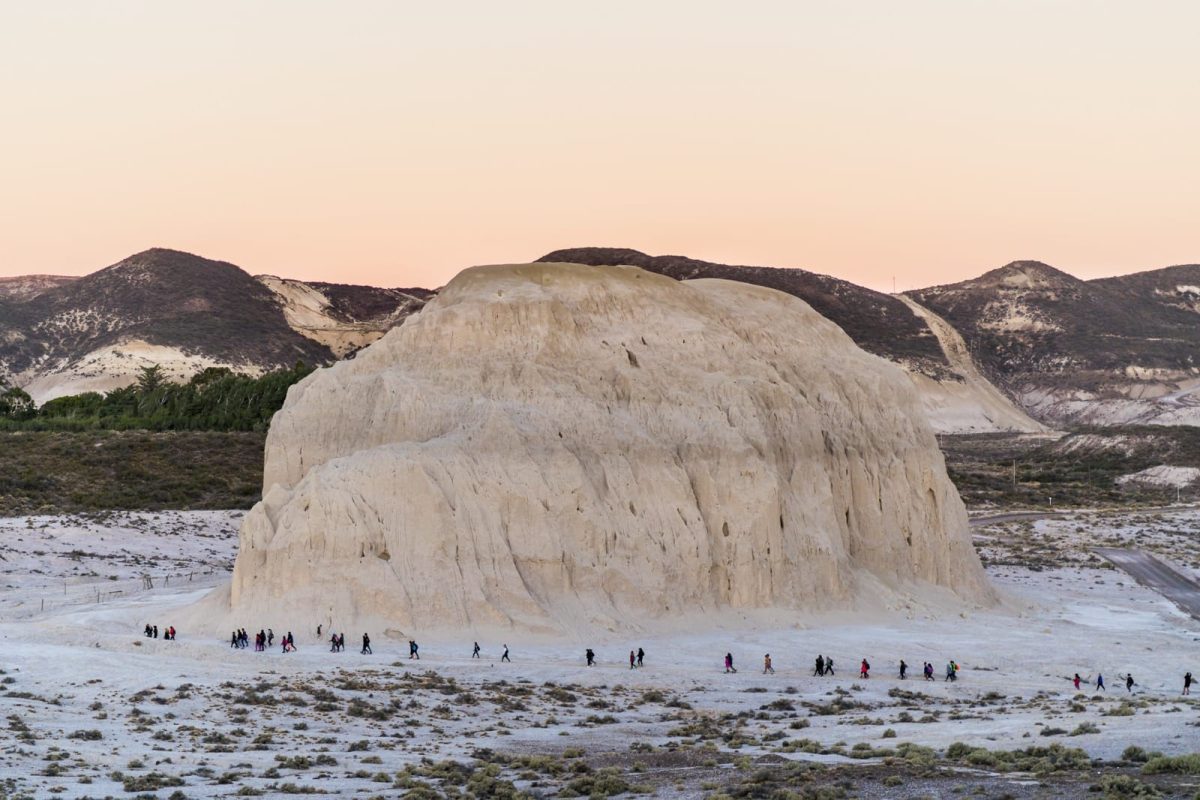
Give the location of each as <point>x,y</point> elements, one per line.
<point>823,665</point>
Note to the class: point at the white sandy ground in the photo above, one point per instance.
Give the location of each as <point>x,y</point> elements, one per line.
<point>307,311</point>
<point>83,665</point>
<point>1171,534</point>
<point>1163,475</point>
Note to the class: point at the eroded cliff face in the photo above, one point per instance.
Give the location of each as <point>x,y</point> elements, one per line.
<point>560,447</point>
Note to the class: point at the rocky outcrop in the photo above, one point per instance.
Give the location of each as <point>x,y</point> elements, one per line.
<point>561,447</point>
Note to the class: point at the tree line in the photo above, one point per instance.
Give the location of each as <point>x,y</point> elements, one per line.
<point>216,399</point>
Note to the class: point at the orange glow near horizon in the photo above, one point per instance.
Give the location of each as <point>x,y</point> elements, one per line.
<point>394,144</point>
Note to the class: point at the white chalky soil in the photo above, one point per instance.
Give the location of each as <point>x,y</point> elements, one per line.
<point>86,695</point>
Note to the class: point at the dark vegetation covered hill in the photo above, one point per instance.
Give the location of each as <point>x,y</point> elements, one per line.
<point>1027,323</point>
<point>164,297</point>
<point>877,322</point>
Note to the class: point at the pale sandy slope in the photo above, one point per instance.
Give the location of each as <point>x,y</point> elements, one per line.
<point>116,366</point>
<point>309,312</point>
<point>972,404</point>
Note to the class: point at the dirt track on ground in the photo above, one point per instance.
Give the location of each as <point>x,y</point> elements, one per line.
<point>1154,574</point>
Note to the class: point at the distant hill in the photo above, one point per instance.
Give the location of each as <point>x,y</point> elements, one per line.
<point>183,312</point>
<point>1018,348</point>
<point>1108,351</point>
<point>24,287</point>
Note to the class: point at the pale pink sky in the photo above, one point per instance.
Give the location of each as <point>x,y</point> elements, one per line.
<point>395,143</point>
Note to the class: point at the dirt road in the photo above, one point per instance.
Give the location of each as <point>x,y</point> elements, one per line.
<point>1154,574</point>
<point>1016,516</point>
<point>1031,516</point>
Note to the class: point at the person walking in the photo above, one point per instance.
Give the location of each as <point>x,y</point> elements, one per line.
<point>270,638</point>
<point>413,649</point>
<point>366,648</point>
<point>1187,683</point>
<point>829,666</point>
<point>767,665</point>
<point>729,663</point>
<point>641,657</point>
<point>903,669</point>
<point>333,648</point>
<point>1077,680</point>
<point>475,652</point>
<point>820,669</point>
<point>590,656</point>
<point>928,670</point>
<point>864,669</point>
<point>632,660</point>
<point>1129,683</point>
<point>951,672</point>
<point>1100,682</point>
<point>505,656</point>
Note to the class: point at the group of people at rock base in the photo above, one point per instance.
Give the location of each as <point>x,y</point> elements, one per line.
<point>240,640</point>
<point>824,666</point>
<point>1098,684</point>
<point>151,632</point>
<point>265,639</point>
<point>477,651</point>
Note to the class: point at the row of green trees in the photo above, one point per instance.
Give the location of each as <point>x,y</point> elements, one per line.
<point>216,399</point>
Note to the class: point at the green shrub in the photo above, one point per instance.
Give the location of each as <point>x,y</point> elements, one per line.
<point>1173,765</point>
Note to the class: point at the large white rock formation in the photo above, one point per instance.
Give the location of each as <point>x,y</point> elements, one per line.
<point>561,447</point>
